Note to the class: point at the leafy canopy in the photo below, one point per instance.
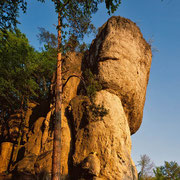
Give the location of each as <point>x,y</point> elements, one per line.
<point>77,13</point>
<point>76,16</point>
<point>170,171</point>
<point>16,64</point>
<point>71,43</point>
<point>24,72</point>
<point>9,11</point>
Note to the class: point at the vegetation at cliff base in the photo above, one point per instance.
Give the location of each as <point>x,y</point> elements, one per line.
<point>148,171</point>
<point>169,171</point>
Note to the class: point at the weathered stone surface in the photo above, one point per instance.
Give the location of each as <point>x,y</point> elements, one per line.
<point>122,59</point>
<point>32,149</point>
<point>33,146</point>
<point>44,163</point>
<point>28,114</point>
<point>5,155</point>
<point>27,164</point>
<point>109,137</point>
<point>71,80</point>
<point>14,123</point>
<point>91,165</point>
<point>71,75</point>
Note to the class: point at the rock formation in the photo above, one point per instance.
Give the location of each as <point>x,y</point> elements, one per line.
<point>122,59</point>
<point>109,137</point>
<point>96,130</point>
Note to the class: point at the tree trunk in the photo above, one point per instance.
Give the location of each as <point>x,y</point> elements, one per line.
<point>57,124</point>
<point>14,158</point>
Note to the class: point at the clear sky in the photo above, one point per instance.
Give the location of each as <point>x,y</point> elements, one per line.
<point>159,134</point>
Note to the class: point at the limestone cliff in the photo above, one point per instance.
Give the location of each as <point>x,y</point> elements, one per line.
<point>96,130</point>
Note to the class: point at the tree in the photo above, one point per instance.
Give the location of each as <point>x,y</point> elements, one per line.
<point>17,60</point>
<point>75,16</point>
<point>9,10</point>
<point>78,15</point>
<point>71,43</point>
<point>49,39</point>
<point>23,77</point>
<point>146,167</point>
<point>170,171</point>
<point>158,171</point>
<point>25,74</point>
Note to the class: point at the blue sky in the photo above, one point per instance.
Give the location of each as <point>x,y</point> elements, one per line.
<point>159,135</point>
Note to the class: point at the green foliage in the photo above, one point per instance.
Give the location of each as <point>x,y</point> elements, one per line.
<point>98,111</point>
<point>170,171</point>
<point>71,44</point>
<point>16,63</point>
<point>48,38</point>
<point>44,68</point>
<point>76,12</point>
<point>92,83</point>
<point>112,6</point>
<point>24,73</point>
<point>83,47</point>
<point>9,10</point>
<point>75,17</point>
<point>159,175</point>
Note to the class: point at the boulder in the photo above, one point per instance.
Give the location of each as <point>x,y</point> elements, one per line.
<point>32,149</point>
<point>121,58</point>
<point>109,137</point>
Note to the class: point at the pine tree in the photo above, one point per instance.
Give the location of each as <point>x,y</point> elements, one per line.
<point>170,171</point>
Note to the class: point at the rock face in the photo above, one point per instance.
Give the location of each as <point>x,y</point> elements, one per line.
<point>109,137</point>
<point>71,80</point>
<point>35,151</point>
<point>5,155</point>
<point>122,58</point>
<point>96,131</point>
